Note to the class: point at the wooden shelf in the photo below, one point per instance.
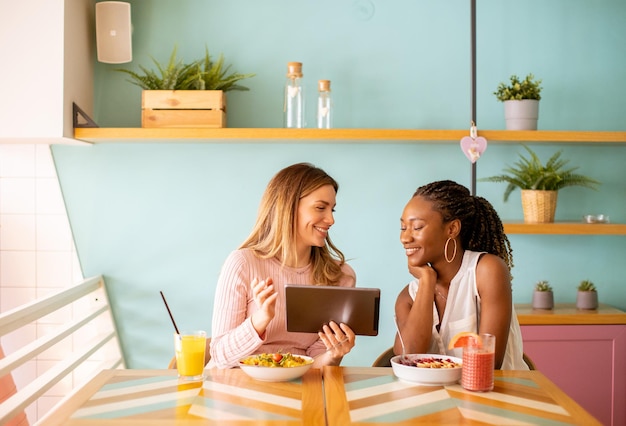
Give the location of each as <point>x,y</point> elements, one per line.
<point>264,135</point>
<point>565,228</point>
<point>568,314</point>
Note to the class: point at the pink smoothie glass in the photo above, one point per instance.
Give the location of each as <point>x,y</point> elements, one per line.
<point>478,364</point>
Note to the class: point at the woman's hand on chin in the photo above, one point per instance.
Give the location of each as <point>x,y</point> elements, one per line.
<point>423,272</point>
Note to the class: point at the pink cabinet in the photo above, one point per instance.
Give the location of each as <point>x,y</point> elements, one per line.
<point>587,361</point>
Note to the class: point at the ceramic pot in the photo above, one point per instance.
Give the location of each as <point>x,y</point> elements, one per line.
<point>522,114</point>
<point>543,300</point>
<point>587,300</point>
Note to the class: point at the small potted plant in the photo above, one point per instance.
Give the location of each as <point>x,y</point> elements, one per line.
<point>540,183</point>
<point>185,94</point>
<point>543,297</point>
<point>587,297</point>
<point>521,102</point>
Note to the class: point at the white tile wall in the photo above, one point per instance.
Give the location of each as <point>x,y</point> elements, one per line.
<point>37,257</point>
<point>17,160</point>
<point>17,232</point>
<point>18,196</point>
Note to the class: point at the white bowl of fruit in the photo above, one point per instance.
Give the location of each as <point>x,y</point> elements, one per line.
<point>427,369</point>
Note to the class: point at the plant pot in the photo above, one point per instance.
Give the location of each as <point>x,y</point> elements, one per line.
<point>587,300</point>
<point>521,115</point>
<point>543,300</point>
<point>183,108</point>
<point>539,206</point>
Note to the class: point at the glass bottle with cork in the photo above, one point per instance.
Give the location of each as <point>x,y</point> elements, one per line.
<point>324,105</point>
<point>294,97</point>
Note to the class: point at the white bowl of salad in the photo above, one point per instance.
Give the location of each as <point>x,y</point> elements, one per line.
<point>276,367</point>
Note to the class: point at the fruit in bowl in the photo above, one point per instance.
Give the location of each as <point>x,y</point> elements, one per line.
<point>427,369</point>
<point>276,367</point>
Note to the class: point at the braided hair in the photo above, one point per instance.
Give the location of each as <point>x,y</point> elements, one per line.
<point>481,227</point>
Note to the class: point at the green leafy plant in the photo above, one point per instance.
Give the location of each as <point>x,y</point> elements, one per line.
<point>201,74</point>
<point>517,89</point>
<point>530,173</point>
<point>586,285</point>
<point>543,286</point>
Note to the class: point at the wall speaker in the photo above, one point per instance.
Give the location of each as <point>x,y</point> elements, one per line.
<point>113,32</point>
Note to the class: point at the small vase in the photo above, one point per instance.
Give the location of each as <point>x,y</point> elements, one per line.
<point>587,300</point>
<point>522,114</point>
<point>543,300</point>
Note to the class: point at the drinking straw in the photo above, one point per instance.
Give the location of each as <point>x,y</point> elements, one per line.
<point>169,312</point>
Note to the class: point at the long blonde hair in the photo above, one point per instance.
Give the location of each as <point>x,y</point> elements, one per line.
<point>274,233</point>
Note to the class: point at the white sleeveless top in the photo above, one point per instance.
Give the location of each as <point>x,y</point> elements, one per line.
<point>463,314</point>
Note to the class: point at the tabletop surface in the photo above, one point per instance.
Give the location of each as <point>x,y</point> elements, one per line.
<point>331,396</point>
<point>225,397</point>
<point>366,396</point>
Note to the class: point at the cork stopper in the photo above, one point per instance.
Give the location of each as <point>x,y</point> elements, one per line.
<point>294,69</point>
<point>323,85</point>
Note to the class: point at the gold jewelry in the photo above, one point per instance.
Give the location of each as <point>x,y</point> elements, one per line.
<point>444,297</point>
<point>445,250</point>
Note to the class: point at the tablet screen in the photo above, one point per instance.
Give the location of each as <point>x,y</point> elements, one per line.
<point>309,307</point>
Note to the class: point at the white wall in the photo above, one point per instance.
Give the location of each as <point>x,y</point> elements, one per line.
<point>47,63</point>
<point>36,250</point>
<point>48,47</point>
<point>31,37</point>
<point>79,54</point>
<point>37,257</point>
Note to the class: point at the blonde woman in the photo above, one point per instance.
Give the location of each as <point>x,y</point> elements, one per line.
<point>289,244</point>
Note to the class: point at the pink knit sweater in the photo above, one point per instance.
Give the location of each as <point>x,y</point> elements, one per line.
<point>233,336</point>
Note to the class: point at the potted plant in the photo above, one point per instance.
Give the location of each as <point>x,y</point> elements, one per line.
<point>543,297</point>
<point>540,183</point>
<point>521,102</point>
<point>186,94</point>
<point>587,296</point>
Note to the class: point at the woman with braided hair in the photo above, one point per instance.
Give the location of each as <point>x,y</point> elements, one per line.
<point>461,260</point>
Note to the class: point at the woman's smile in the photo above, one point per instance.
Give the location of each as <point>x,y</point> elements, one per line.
<point>321,230</point>
<point>411,250</point>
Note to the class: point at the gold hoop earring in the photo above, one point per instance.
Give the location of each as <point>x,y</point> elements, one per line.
<point>445,250</point>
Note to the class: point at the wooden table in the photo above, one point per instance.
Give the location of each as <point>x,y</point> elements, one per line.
<point>226,397</point>
<point>349,395</point>
<point>367,396</point>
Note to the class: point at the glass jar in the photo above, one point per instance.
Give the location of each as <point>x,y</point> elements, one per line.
<point>324,105</point>
<point>293,108</point>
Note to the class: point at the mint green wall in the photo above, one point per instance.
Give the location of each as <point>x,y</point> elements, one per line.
<point>156,217</point>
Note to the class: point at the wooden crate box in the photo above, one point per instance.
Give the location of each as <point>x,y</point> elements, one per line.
<point>183,108</point>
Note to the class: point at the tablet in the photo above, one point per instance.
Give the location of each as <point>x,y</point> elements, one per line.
<point>309,307</point>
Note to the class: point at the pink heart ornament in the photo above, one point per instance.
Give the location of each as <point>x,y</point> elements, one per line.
<point>473,147</point>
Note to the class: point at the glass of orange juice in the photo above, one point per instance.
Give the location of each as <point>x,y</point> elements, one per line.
<point>190,347</point>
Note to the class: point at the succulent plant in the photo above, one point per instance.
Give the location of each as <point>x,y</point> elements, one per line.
<point>529,88</point>
<point>586,285</point>
<point>542,286</point>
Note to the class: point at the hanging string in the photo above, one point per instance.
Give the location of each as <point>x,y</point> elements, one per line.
<point>473,84</point>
